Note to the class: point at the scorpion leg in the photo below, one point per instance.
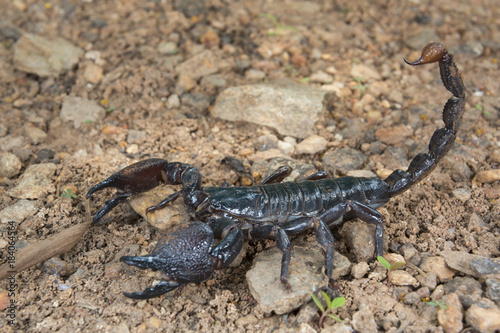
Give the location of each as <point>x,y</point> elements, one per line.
<point>231,244</point>
<point>315,176</point>
<point>283,243</point>
<point>278,175</point>
<point>370,215</point>
<point>325,237</point>
<point>295,226</point>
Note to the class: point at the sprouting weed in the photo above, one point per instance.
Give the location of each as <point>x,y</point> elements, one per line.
<point>390,267</point>
<point>360,86</point>
<point>442,305</point>
<point>279,29</point>
<point>68,193</point>
<point>479,107</point>
<point>337,302</point>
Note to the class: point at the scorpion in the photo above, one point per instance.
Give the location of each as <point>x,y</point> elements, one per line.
<point>188,252</point>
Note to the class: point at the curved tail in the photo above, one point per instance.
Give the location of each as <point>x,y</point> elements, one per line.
<point>443,138</point>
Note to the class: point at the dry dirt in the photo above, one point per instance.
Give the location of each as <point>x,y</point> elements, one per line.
<point>127,33</point>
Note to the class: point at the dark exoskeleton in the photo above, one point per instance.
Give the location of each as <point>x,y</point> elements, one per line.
<point>188,252</point>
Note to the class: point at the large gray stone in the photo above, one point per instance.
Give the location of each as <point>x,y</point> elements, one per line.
<point>35,183</point>
<point>80,110</point>
<point>305,276</point>
<point>43,56</point>
<point>291,108</point>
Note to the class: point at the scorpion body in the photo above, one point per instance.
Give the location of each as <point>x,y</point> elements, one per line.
<point>189,253</point>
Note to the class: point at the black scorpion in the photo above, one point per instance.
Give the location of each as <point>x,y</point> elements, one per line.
<point>188,252</point>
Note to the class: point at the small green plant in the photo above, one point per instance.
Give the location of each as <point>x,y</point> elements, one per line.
<point>68,193</point>
<point>480,108</point>
<point>330,305</point>
<point>304,80</point>
<point>279,28</point>
<point>111,109</point>
<point>88,122</point>
<point>442,305</point>
<point>360,86</point>
<point>390,267</point>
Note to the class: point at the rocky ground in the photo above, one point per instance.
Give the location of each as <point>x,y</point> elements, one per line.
<point>88,87</point>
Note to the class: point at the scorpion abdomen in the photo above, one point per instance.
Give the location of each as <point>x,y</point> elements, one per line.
<point>282,202</point>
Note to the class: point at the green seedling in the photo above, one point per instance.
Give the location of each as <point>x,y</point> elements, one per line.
<point>390,267</point>
<point>279,29</point>
<point>360,86</point>
<point>330,305</point>
<point>442,305</point>
<point>304,80</point>
<point>481,109</point>
<point>67,193</point>
<point>111,109</point>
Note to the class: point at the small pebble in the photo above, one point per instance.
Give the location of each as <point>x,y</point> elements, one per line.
<point>428,280</point>
<point>57,266</point>
<point>173,102</point>
<point>364,320</point>
<point>488,176</point>
<point>185,83</point>
<point>3,130</point>
<point>311,145</point>
<point>210,39</point>
<point>10,165</point>
<point>493,289</point>
<point>437,265</point>
<point>393,135</point>
<point>113,270</point>
<point>321,77</point>
<point>451,317</point>
<point>168,48</point>
<point>361,173</point>
<point>402,278</point>
<point>154,322</point>
<point>4,300</point>
<point>462,194</point>
<point>360,239</point>
<point>93,73</point>
<point>246,320</point>
<point>286,147</point>
<point>135,136</point>
<point>34,134</point>
<point>359,270</point>
<point>468,290</point>
<point>411,298</point>
<point>254,74</point>
<point>344,160</point>
<point>484,316</point>
<point>266,142</point>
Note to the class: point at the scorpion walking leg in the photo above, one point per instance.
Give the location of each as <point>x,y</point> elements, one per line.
<point>283,243</point>
<point>284,171</point>
<point>278,175</point>
<point>231,244</point>
<point>370,215</point>
<point>315,176</point>
<point>325,237</point>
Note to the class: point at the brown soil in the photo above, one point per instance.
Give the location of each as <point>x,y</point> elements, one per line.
<point>345,32</point>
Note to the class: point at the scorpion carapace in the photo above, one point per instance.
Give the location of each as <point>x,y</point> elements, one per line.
<point>188,253</point>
